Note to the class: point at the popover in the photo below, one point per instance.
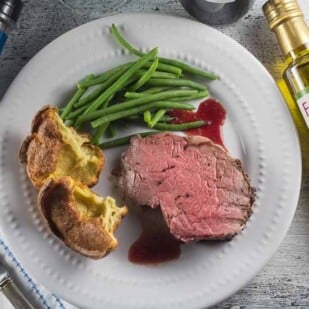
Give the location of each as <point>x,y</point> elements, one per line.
<point>55,149</point>
<point>85,221</point>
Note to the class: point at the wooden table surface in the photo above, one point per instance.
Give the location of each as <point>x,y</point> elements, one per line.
<point>284,282</point>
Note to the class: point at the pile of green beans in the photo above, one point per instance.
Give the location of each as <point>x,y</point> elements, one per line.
<point>144,90</point>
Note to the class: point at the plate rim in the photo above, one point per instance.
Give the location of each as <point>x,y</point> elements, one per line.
<point>253,58</point>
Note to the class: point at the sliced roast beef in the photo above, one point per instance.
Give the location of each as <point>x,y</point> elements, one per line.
<point>202,191</point>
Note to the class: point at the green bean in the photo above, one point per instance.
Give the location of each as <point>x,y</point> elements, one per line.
<point>146,76</point>
<point>91,96</point>
<point>144,94</point>
<point>163,94</point>
<point>117,85</point>
<point>105,127</point>
<point>135,117</point>
<point>108,100</point>
<point>185,67</point>
<point>147,117</point>
<point>123,140</point>
<point>98,133</point>
<point>198,95</point>
<point>123,42</point>
<point>138,109</point>
<point>101,89</point>
<point>77,112</point>
<point>132,103</point>
<point>134,95</point>
<point>189,69</point>
<point>164,118</point>
<point>164,68</point>
<point>158,74</point>
<point>104,76</point>
<point>169,69</point>
<point>111,131</point>
<point>157,116</point>
<point>175,83</point>
<point>78,94</point>
<point>95,93</point>
<point>179,127</point>
<point>153,90</point>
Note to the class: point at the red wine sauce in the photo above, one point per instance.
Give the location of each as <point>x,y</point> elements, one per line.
<point>155,244</point>
<point>212,112</point>
<point>151,248</point>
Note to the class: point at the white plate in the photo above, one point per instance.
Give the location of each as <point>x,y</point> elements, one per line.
<point>258,130</point>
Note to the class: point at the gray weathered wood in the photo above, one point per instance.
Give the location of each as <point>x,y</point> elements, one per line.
<point>284,282</point>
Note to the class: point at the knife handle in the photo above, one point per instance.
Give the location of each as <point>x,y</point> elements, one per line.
<point>14,295</point>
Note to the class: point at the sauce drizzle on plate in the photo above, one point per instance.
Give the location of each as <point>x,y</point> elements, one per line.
<point>155,244</point>
<point>154,248</point>
<point>212,112</point>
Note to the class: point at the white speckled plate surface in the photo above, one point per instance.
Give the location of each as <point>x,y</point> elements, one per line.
<point>258,130</point>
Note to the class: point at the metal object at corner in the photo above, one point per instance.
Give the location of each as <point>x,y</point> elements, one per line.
<point>11,291</point>
<point>217,12</point>
<point>3,275</point>
<point>10,11</point>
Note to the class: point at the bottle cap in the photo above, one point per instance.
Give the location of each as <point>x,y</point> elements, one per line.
<point>286,19</point>
<point>278,11</point>
<point>10,10</point>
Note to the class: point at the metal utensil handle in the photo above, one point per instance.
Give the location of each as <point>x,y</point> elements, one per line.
<point>14,295</point>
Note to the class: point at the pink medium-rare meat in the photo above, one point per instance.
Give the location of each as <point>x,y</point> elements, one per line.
<point>202,191</point>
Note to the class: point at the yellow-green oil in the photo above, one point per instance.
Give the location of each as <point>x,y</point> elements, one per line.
<point>296,82</point>
<point>302,129</point>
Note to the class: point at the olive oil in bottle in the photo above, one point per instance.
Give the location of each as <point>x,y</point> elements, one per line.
<point>286,20</point>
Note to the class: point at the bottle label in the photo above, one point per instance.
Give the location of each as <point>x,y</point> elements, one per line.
<point>3,38</point>
<point>302,99</point>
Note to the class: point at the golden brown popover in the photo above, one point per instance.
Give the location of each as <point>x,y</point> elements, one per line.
<point>85,221</point>
<point>55,149</point>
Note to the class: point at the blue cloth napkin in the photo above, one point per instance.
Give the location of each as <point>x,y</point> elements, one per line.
<point>37,294</point>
